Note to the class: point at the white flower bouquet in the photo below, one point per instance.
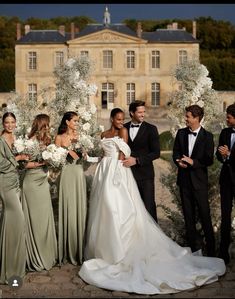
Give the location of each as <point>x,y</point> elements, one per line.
<point>55,155</point>
<point>30,147</point>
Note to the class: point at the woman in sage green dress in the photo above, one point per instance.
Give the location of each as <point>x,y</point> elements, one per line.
<point>41,242</point>
<point>72,196</point>
<point>12,224</point>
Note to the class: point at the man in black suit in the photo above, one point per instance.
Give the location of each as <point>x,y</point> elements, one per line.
<point>193,152</point>
<point>226,155</point>
<point>145,147</point>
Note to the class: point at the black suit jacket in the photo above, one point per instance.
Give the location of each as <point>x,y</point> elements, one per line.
<point>146,147</point>
<point>228,168</point>
<point>202,155</point>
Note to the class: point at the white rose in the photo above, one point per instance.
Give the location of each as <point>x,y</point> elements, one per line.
<point>93,108</point>
<point>46,155</point>
<point>200,103</point>
<point>86,127</point>
<point>81,110</point>
<point>70,62</point>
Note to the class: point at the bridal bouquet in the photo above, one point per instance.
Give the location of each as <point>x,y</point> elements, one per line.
<point>30,147</point>
<point>55,155</point>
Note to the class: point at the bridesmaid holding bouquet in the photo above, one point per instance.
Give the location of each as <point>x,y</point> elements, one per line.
<point>41,239</point>
<point>12,224</point>
<point>72,195</point>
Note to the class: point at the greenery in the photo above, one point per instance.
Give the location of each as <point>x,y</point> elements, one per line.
<point>166,141</point>
<point>217,47</point>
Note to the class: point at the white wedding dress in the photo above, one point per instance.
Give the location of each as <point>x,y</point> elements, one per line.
<point>126,250</point>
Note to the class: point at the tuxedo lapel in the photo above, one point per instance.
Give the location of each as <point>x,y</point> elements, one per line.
<point>185,142</point>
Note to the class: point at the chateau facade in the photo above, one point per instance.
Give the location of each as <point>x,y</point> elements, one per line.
<point>128,64</point>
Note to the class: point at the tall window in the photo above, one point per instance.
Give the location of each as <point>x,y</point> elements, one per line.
<point>130,56</point>
<point>155,59</point>
<point>59,58</point>
<point>32,60</point>
<point>108,59</point>
<point>32,91</point>
<point>108,89</point>
<point>130,93</point>
<point>84,53</point>
<point>155,101</point>
<point>183,56</point>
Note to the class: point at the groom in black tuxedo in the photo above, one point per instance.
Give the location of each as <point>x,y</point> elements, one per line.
<point>226,155</point>
<point>143,140</point>
<point>193,152</point>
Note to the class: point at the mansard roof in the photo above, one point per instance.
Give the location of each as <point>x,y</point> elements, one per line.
<point>169,36</point>
<point>158,36</point>
<point>42,36</point>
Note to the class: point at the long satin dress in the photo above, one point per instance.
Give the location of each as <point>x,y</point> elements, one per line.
<point>41,242</point>
<point>126,249</point>
<point>72,213</point>
<point>12,224</point>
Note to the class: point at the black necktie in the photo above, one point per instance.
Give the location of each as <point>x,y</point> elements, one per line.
<point>194,133</point>
<point>134,126</point>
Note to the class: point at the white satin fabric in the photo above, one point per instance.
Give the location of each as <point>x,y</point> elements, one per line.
<point>126,249</point>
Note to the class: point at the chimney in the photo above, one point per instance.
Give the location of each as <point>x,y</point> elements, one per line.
<point>26,29</point>
<point>18,31</point>
<point>62,30</point>
<point>72,31</point>
<point>139,29</point>
<point>174,25</point>
<point>194,29</point>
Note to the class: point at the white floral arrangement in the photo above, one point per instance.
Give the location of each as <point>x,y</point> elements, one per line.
<point>73,86</point>
<point>30,147</point>
<point>55,155</point>
<point>73,93</point>
<point>196,88</point>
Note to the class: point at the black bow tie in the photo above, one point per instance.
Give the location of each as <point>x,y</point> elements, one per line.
<point>134,126</point>
<point>194,133</point>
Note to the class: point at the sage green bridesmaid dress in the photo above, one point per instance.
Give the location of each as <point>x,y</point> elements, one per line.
<point>41,242</point>
<point>12,224</point>
<point>72,213</point>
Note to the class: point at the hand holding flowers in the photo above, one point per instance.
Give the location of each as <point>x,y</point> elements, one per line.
<point>55,155</point>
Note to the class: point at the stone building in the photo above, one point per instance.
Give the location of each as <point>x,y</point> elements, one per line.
<point>128,64</point>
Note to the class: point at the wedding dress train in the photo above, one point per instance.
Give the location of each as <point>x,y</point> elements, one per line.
<point>126,249</point>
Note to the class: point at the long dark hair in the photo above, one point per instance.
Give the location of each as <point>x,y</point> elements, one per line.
<point>63,125</point>
<point>5,115</point>
<point>39,128</point>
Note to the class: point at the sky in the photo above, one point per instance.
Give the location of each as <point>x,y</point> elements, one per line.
<point>119,12</point>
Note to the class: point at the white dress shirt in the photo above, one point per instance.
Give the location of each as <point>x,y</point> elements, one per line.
<point>192,140</point>
<point>232,138</point>
<point>133,131</point>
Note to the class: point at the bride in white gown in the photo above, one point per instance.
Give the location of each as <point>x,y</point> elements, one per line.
<point>126,249</point>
